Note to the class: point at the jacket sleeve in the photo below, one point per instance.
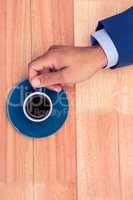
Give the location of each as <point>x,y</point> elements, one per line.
<point>120,29</point>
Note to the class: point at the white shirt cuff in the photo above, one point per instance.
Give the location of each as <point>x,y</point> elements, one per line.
<point>104,40</point>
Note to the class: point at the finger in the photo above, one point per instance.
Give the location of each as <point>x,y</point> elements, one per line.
<point>49,79</point>
<point>34,67</point>
<point>33,73</point>
<point>37,65</point>
<point>40,62</point>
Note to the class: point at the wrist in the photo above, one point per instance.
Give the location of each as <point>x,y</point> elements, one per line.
<point>99,58</point>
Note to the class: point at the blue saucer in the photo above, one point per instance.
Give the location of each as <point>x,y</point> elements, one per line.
<point>36,129</point>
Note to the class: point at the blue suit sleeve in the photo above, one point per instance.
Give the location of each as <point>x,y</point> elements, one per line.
<point>120,29</point>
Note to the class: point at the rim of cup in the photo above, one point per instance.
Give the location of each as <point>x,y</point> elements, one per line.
<point>24,107</point>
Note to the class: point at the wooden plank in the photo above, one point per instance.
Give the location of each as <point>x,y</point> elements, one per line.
<point>54,157</point>
<point>3,122</point>
<point>124,106</point>
<point>103,132</point>
<point>16,151</point>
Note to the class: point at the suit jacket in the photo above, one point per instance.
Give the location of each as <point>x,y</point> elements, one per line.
<point>120,29</point>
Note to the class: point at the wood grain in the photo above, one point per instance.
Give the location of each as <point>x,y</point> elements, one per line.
<point>41,168</point>
<point>54,157</point>
<point>16,151</point>
<point>104,117</point>
<point>91,157</point>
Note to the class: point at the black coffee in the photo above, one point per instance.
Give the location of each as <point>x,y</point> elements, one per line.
<point>38,106</point>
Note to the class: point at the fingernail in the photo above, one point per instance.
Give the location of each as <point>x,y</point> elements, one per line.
<point>36,83</point>
<point>57,89</point>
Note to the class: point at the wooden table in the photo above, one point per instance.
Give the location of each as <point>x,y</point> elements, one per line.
<point>91,157</point>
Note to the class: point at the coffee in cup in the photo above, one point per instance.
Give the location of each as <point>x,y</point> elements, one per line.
<point>37,106</point>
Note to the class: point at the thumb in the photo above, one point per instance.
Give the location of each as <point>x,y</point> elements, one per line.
<point>49,79</point>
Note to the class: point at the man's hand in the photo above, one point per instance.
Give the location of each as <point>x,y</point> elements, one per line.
<point>65,65</point>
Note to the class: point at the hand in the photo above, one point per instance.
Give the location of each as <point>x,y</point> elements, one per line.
<point>65,65</point>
